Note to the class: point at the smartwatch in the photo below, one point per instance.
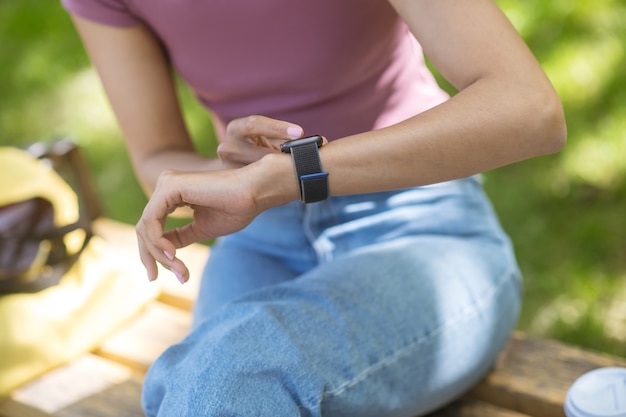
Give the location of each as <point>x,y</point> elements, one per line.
<point>312,181</point>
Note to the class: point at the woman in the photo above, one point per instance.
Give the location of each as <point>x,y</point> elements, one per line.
<point>392,289</point>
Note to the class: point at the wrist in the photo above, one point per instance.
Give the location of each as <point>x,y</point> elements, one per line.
<point>272,180</point>
<point>312,180</point>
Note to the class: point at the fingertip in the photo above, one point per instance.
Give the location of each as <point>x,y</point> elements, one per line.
<point>294,132</point>
<point>181,277</point>
<point>151,277</point>
<point>152,271</point>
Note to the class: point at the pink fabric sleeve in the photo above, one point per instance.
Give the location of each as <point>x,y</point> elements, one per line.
<point>108,12</point>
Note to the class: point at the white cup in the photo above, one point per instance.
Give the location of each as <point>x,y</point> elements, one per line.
<point>598,393</point>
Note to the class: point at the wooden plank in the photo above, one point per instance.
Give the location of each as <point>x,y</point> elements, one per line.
<point>142,340</point>
<point>119,400</point>
<point>468,407</point>
<point>76,389</point>
<point>10,408</point>
<point>532,376</point>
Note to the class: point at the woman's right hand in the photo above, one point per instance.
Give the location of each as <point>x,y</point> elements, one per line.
<point>250,138</point>
<point>222,202</point>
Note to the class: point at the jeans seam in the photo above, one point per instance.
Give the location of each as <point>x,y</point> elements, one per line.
<point>468,312</point>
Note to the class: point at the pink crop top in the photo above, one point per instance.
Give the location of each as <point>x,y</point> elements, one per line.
<point>336,67</point>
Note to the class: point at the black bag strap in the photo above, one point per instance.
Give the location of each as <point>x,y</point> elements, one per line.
<point>67,159</point>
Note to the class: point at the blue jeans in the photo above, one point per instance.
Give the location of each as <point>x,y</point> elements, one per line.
<point>386,304</point>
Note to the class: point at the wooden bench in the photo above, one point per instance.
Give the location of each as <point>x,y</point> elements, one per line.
<point>531,377</point>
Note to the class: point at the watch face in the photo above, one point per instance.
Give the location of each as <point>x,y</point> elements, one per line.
<point>286,147</point>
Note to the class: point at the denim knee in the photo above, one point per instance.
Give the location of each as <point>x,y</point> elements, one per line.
<point>229,367</point>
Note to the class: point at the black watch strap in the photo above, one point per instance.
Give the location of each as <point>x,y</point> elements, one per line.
<point>312,181</point>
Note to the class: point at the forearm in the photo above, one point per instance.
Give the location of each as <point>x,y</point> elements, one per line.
<point>486,126</point>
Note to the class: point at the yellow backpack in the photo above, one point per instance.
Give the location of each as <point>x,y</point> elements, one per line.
<point>62,291</point>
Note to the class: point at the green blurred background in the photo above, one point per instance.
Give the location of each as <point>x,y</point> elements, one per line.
<point>566,213</point>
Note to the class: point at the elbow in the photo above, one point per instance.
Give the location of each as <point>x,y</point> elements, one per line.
<point>551,127</point>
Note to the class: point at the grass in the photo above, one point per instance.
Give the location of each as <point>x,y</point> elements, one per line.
<point>565,213</point>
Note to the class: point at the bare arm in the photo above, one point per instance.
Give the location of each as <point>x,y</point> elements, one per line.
<point>506,109</point>
<point>139,85</point>
<point>138,81</point>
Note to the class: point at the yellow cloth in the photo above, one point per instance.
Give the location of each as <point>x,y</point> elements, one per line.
<point>43,330</point>
<point>25,177</point>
